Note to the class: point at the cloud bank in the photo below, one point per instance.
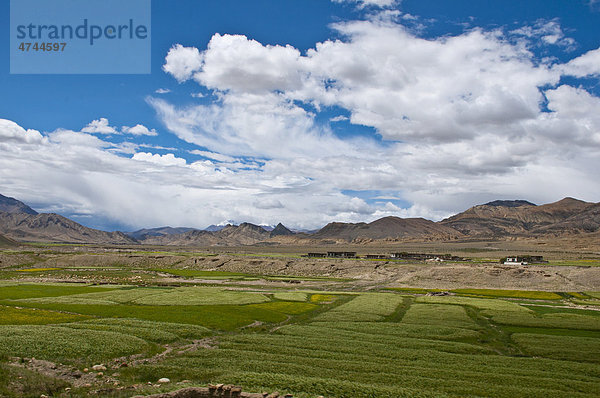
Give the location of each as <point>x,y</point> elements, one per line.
<point>444,123</point>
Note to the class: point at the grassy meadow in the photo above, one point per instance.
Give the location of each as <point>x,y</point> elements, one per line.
<point>306,342</point>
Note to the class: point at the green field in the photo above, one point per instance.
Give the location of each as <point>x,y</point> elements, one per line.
<point>238,276</point>
<point>486,343</point>
<point>526,294</point>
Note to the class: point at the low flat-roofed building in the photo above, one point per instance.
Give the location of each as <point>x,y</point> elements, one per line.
<point>377,256</point>
<point>342,254</point>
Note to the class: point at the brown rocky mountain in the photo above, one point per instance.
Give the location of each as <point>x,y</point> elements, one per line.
<point>50,227</point>
<point>231,235</point>
<point>386,228</point>
<point>497,219</point>
<point>585,221</point>
<point>503,218</point>
<point>280,230</point>
<point>145,233</point>
<point>11,205</point>
<point>7,242</point>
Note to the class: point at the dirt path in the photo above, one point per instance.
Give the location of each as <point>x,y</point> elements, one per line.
<point>71,375</point>
<point>107,378</point>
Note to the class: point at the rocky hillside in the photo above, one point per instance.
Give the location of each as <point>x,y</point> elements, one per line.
<point>231,235</point>
<point>585,221</point>
<point>7,242</point>
<point>146,233</point>
<point>50,227</point>
<point>12,205</point>
<point>386,228</point>
<point>280,230</point>
<point>503,218</point>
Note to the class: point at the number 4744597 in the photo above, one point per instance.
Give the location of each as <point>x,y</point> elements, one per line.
<point>42,46</point>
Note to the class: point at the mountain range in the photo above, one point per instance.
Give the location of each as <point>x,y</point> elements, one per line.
<point>494,220</point>
<point>520,218</point>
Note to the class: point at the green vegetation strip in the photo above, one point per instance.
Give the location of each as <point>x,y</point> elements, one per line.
<point>217,275</point>
<point>439,314</point>
<point>223,317</point>
<point>510,313</point>
<point>291,308</point>
<point>593,294</point>
<point>225,275</point>
<point>37,269</point>
<point>291,296</point>
<point>158,332</point>
<point>65,344</point>
<point>366,307</point>
<point>31,316</point>
<point>537,295</point>
<point>160,296</point>
<point>560,347</point>
<point>38,290</point>
<point>322,298</point>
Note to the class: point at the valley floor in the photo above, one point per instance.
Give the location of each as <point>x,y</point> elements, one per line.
<point>278,322</point>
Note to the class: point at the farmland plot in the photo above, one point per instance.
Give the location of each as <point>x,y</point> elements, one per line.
<point>333,344</point>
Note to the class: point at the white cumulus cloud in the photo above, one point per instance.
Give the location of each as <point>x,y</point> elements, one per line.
<point>12,132</point>
<point>138,129</point>
<point>182,62</point>
<point>164,160</point>
<point>100,126</point>
<point>366,3</point>
<point>587,64</point>
<point>460,116</point>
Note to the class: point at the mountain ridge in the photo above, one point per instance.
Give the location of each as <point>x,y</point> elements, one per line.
<point>490,220</point>
<point>51,227</point>
<point>495,219</point>
<point>12,205</point>
<point>510,203</point>
<point>243,234</point>
<point>143,233</point>
<point>384,228</point>
<point>280,230</point>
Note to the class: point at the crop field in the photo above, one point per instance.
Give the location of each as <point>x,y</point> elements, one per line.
<point>343,342</point>
<point>526,294</point>
<point>59,343</point>
<point>218,275</point>
<point>560,347</point>
<point>366,307</point>
<point>593,294</point>
<point>291,296</point>
<point>438,314</point>
<point>237,276</point>
<point>34,316</point>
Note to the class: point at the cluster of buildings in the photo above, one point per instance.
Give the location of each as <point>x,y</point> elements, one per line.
<point>512,260</point>
<point>391,256</point>
<point>523,260</point>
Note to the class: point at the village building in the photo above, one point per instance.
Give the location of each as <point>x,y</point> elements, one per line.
<point>523,260</point>
<point>425,257</point>
<point>341,254</point>
<point>514,261</point>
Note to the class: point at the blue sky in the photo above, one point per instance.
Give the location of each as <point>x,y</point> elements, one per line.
<point>313,111</point>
